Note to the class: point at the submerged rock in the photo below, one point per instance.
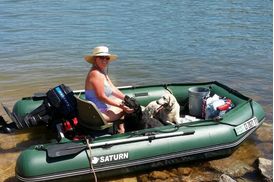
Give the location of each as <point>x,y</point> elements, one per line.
<point>162,175</point>
<point>264,133</point>
<point>267,149</point>
<point>201,176</point>
<point>239,163</point>
<point>226,178</point>
<point>184,171</point>
<point>234,168</point>
<point>265,167</point>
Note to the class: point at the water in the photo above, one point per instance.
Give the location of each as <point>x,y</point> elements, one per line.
<point>43,44</point>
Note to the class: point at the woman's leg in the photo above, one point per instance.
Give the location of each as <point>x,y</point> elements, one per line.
<point>113,114</point>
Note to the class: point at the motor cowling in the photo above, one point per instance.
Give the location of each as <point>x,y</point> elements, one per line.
<point>59,104</point>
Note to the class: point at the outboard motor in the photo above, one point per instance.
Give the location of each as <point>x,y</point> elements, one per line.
<point>59,104</point>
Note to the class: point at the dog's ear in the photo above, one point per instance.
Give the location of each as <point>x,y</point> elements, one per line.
<point>132,103</point>
<point>127,101</point>
<point>169,99</point>
<point>126,98</point>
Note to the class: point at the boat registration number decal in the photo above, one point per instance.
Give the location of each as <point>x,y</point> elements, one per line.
<point>246,126</point>
<point>110,158</point>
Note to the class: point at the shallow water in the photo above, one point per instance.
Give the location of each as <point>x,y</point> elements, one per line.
<point>43,44</point>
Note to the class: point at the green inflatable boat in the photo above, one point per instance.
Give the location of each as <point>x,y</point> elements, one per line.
<point>203,133</point>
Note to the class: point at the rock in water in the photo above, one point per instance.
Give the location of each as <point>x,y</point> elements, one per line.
<point>266,166</point>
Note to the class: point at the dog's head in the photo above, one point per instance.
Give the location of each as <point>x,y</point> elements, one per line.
<point>132,120</point>
<point>167,100</point>
<point>131,103</point>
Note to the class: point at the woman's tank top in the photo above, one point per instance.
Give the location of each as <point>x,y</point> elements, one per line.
<point>91,96</point>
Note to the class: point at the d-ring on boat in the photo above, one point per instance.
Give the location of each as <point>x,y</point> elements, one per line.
<point>110,155</point>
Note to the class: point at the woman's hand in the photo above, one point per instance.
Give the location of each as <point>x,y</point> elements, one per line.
<point>126,109</point>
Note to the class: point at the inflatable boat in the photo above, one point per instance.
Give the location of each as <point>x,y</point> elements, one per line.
<point>203,138</point>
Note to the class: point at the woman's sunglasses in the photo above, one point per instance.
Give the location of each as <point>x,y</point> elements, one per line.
<point>104,57</point>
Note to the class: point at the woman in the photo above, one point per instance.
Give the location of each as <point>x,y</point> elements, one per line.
<point>100,90</point>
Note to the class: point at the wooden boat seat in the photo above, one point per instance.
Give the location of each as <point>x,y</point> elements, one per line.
<point>89,116</point>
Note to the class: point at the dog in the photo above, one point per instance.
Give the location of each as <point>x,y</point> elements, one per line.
<point>138,120</point>
<point>166,109</point>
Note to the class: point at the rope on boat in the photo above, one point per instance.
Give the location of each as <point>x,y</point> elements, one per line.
<point>168,89</point>
<point>90,160</point>
<point>251,105</point>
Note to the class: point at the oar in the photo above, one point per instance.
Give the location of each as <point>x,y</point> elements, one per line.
<point>74,148</point>
<point>65,149</point>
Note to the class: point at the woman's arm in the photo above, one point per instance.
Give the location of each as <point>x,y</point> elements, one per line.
<point>116,92</point>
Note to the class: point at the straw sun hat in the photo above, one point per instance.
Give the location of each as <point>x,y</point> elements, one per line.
<point>100,51</point>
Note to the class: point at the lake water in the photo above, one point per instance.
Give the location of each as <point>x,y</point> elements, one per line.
<point>43,44</point>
